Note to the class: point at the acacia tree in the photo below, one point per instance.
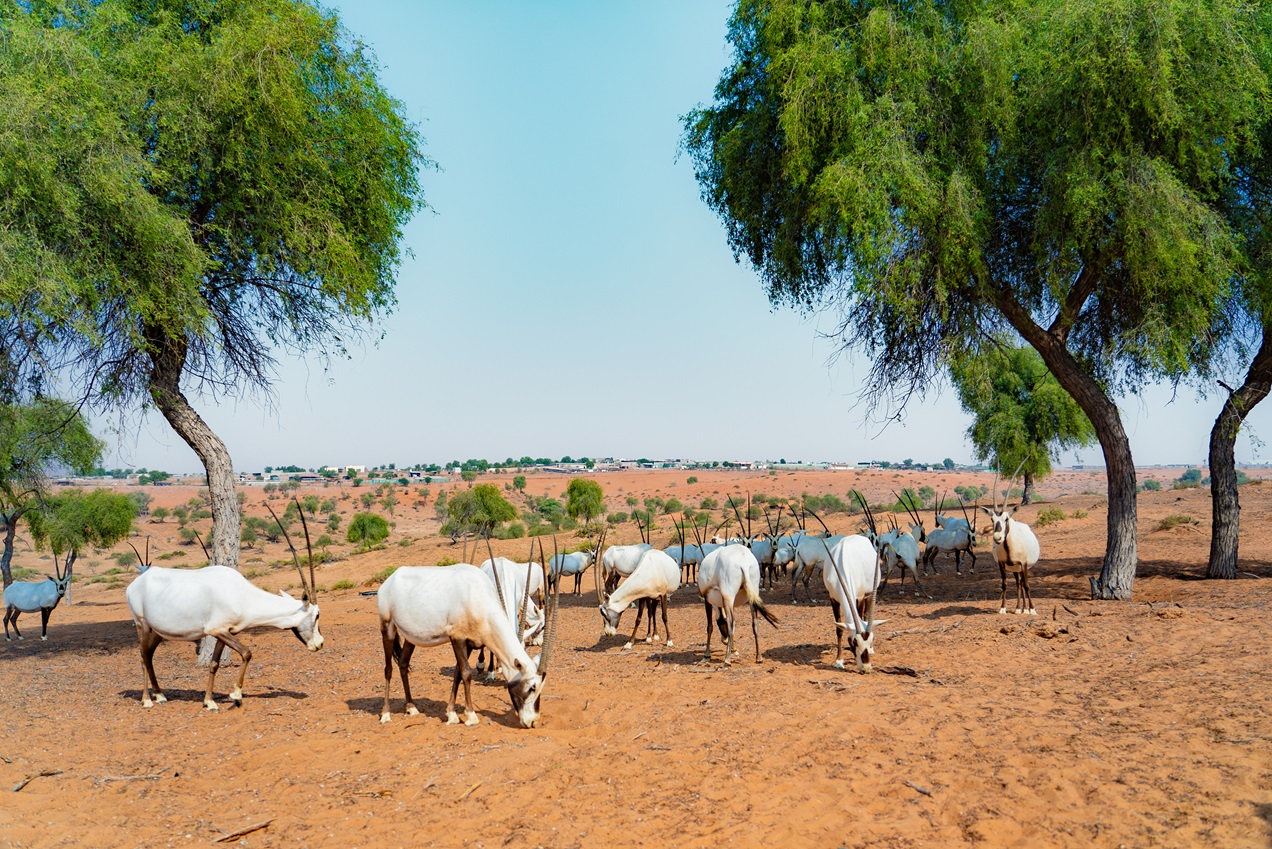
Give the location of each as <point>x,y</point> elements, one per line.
<point>75,520</point>
<point>943,172</point>
<point>33,438</point>
<point>1023,417</point>
<point>197,187</point>
<point>584,498</point>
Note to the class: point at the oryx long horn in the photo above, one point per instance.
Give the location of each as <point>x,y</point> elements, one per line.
<point>308,593</point>
<point>142,564</point>
<point>309,550</point>
<point>549,634</point>
<point>1016,474</point>
<point>494,569</point>
<point>202,546</point>
<point>820,522</point>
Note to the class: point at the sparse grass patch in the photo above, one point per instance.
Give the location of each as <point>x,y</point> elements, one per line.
<point>1048,515</point>
<point>344,584</point>
<point>1079,514</point>
<point>254,573</point>
<point>23,572</point>
<point>380,577</point>
<point>447,561</point>
<point>170,555</point>
<point>1173,520</point>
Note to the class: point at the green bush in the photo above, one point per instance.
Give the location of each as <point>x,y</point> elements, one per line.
<point>367,529</point>
<point>616,518</point>
<point>672,505</point>
<point>1151,485</point>
<point>447,561</point>
<point>692,479</point>
<point>1188,479</point>
<point>1048,515</point>
<point>380,577</point>
<point>344,584</point>
<point>1079,514</point>
<point>1173,520</point>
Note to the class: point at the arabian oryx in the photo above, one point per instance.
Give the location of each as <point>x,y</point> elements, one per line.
<point>215,601</point>
<point>28,597</point>
<point>575,563</point>
<point>1015,548</point>
<point>852,579</point>
<point>523,600</point>
<point>619,561</point>
<point>727,575</point>
<point>655,577</point>
<point>952,535</point>
<point>432,605</point>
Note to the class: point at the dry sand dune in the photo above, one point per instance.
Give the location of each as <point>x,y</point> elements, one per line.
<point>1142,723</point>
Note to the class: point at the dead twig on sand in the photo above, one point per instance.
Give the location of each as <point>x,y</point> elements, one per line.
<point>45,774</point>
<point>917,788</point>
<point>243,831</point>
<point>150,776</point>
<point>469,791</point>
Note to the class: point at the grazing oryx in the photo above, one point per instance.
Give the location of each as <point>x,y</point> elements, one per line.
<point>1015,548</point>
<point>432,605</point>
<point>215,601</point>
<point>852,580</point>
<point>655,577</point>
<point>28,597</point>
<point>811,554</point>
<point>952,536</point>
<point>521,602</point>
<point>619,561</point>
<point>724,576</point>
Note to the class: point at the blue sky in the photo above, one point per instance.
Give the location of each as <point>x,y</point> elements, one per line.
<point>569,292</point>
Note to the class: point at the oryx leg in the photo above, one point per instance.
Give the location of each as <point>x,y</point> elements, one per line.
<point>755,631</point>
<point>245,656</point>
<point>651,624</point>
<point>44,622</point>
<point>918,588</point>
<point>640,611</point>
<point>728,624</point>
<point>149,642</point>
<point>666,630</point>
<point>462,673</point>
<point>1024,582</point>
<point>390,650</point>
<point>706,655</point>
<point>404,671</point>
<point>1002,599</point>
<point>11,615</point>
<point>212,670</point>
<point>971,554</point>
<point>836,609</point>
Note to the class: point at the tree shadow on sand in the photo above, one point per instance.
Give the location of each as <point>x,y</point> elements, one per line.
<point>221,698</point>
<point>78,638</point>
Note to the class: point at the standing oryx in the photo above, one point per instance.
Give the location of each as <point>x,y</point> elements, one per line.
<point>726,575</point>
<point>1015,548</point>
<point>655,577</point>
<point>215,601</point>
<point>951,535</point>
<point>27,597</point>
<point>852,579</point>
<point>619,561</point>
<point>574,564</point>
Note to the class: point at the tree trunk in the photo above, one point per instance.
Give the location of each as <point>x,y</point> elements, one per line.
<point>1224,502</point>
<point>1028,493</point>
<point>6,559</point>
<point>1117,574</point>
<point>167,357</point>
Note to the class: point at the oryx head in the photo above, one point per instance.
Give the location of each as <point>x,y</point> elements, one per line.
<point>1001,515</point>
<point>307,629</point>
<point>525,689</point>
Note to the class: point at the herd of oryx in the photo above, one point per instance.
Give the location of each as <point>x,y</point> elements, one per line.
<point>504,607</point>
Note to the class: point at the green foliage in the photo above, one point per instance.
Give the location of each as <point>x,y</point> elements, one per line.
<point>187,536</point>
<point>478,510</point>
<point>248,536</point>
<point>692,479</point>
<point>672,505</point>
<point>74,520</point>
<point>616,518</point>
<point>1151,485</point>
<point>468,475</point>
<point>1023,418</point>
<point>324,541</point>
<point>708,504</point>
<point>1173,520</point>
<point>1048,515</point>
<point>926,495</point>
<point>585,499</point>
<point>159,514</point>
<point>381,576</point>
<point>367,529</point>
<point>1079,514</point>
<point>1189,479</point>
<point>343,584</point>
<point>519,483</point>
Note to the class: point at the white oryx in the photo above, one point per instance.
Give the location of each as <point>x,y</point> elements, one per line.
<point>852,579</point>
<point>575,563</point>
<point>432,605</point>
<point>215,601</point>
<point>655,577</point>
<point>727,575</point>
<point>1015,548</point>
<point>520,588</point>
<point>952,535</point>
<point>810,554</point>
<point>618,561</point>
<point>29,597</point>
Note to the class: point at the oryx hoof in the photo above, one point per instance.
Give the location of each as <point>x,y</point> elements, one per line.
<point>1018,611</point>
<point>42,637</point>
<point>839,664</point>
<point>648,640</point>
<point>212,706</point>
<point>670,645</point>
<point>147,704</point>
<point>472,719</point>
<point>1002,611</point>
<point>490,677</point>
<point>452,718</point>
<point>411,710</point>
<point>657,638</point>
<point>1032,612</point>
<point>385,719</point>
<point>20,637</point>
<point>626,647</point>
<point>160,698</point>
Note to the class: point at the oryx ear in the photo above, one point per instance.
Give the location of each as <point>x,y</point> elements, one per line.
<point>1013,510</point>
<point>519,666</point>
<point>987,510</point>
<point>879,622</point>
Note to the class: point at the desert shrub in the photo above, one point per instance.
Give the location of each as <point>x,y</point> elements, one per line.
<point>333,522</point>
<point>692,479</point>
<point>323,541</point>
<point>159,514</point>
<point>708,504</point>
<point>248,536</point>
<point>367,529</point>
<point>447,561</point>
<point>1079,514</point>
<point>1151,485</point>
<point>1188,479</point>
<point>381,576</point>
<point>170,555</point>
<point>201,513</point>
<point>616,518</point>
<point>514,531</point>
<point>124,558</point>
<point>187,536</point>
<point>672,505</point>
<point>344,584</point>
<point>1175,519</point>
<point>1047,516</point>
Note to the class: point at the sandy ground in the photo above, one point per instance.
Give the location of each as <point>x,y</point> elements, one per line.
<point>1142,723</point>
